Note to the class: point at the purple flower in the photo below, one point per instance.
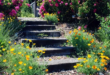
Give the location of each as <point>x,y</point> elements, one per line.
<point>71,3</point>
<point>61,2</point>
<point>59,12</point>
<point>95,4</point>
<point>13,12</point>
<point>56,5</point>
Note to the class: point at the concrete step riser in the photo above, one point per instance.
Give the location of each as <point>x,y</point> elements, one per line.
<point>40,34</point>
<point>47,43</point>
<point>60,67</point>
<point>35,22</point>
<point>39,28</point>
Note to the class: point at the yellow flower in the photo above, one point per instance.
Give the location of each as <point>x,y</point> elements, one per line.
<point>105,68</point>
<point>19,52</point>
<point>39,51</point>
<point>3,49</point>
<point>67,41</point>
<point>4,60</point>
<point>99,27</point>
<point>103,51</point>
<point>22,44</point>
<point>79,58</point>
<point>37,56</point>
<point>94,67</point>
<point>46,70</point>
<point>102,64</point>
<point>14,64</point>
<point>76,38</point>
<point>20,62</point>
<point>75,66</point>
<point>12,73</point>
<point>89,56</point>
<point>27,56</point>
<point>27,47</point>
<point>44,49</point>
<point>20,69</point>
<point>0,55</point>
<point>30,67</point>
<point>30,40</point>
<point>12,49</point>
<point>25,39</point>
<point>50,59</point>
<point>83,30</point>
<point>98,69</point>
<point>70,32</point>
<point>100,47</point>
<point>95,60</point>
<point>34,43</point>
<point>83,38</point>
<point>103,60</point>
<point>43,52</point>
<point>88,66</point>
<point>24,64</point>
<point>15,43</point>
<point>89,44</point>
<point>9,42</point>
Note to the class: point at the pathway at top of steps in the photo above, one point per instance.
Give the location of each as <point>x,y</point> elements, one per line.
<point>30,19</point>
<point>59,61</point>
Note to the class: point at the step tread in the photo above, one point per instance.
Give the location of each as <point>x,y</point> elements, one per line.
<point>42,31</point>
<point>46,39</point>
<point>61,61</point>
<point>40,25</point>
<point>55,48</point>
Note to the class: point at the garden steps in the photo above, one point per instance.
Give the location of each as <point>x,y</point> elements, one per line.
<point>42,33</point>
<point>54,46</point>
<point>49,42</point>
<point>39,27</point>
<point>55,51</point>
<point>55,65</point>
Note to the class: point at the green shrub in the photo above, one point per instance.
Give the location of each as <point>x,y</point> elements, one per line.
<point>51,17</point>
<point>83,41</point>
<point>103,32</point>
<point>18,59</point>
<point>92,64</point>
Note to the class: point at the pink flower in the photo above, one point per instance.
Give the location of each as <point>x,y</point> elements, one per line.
<point>59,12</point>
<point>85,26</point>
<point>9,3</point>
<point>59,0</point>
<point>28,4</point>
<point>1,16</point>
<point>78,1</point>
<point>95,4</point>
<point>17,8</point>
<point>79,27</point>
<point>66,4</point>
<point>13,12</point>
<point>71,3</point>
<point>20,4</point>
<point>50,1</point>
<point>94,10</point>
<point>56,5</point>
<point>51,4</point>
<point>1,3</point>
<point>54,0</point>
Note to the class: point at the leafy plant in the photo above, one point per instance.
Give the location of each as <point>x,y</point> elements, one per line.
<point>51,17</point>
<point>92,64</point>
<point>82,40</point>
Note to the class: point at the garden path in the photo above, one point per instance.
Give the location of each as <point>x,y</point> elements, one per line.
<point>57,56</point>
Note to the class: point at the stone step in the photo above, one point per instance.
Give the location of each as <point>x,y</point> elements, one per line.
<point>42,33</point>
<point>39,27</point>
<point>56,51</point>
<point>49,42</point>
<point>35,22</point>
<point>55,65</point>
